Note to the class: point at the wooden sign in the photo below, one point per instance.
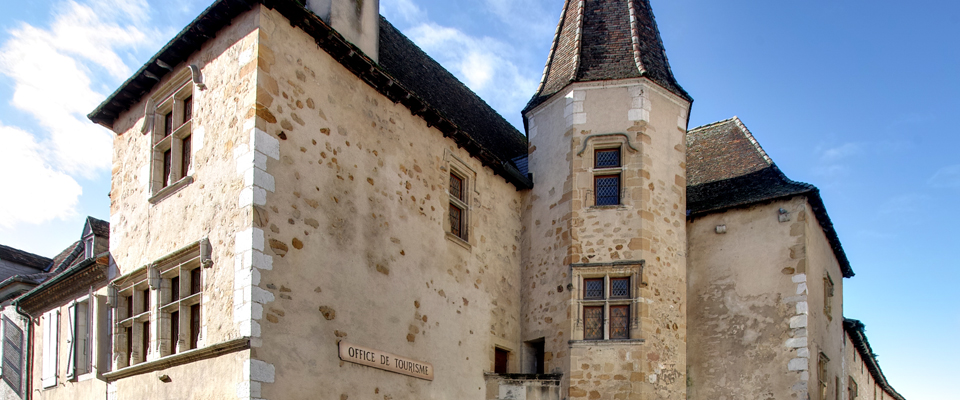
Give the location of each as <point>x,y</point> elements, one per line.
<point>385,361</point>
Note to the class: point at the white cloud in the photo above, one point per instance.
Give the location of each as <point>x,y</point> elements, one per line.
<point>53,79</point>
<point>946,177</point>
<point>526,18</point>
<point>483,63</point>
<point>403,10</point>
<point>34,192</point>
<point>56,72</point>
<point>833,161</point>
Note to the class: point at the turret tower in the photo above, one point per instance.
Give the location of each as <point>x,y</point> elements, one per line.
<point>604,271</point>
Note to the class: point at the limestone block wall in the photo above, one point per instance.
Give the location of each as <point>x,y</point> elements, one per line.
<point>355,227</point>
<point>750,303</point>
<point>648,124</point>
<point>143,231</point>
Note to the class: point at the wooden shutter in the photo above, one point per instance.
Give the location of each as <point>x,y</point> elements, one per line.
<point>72,341</point>
<point>12,354</point>
<point>51,321</point>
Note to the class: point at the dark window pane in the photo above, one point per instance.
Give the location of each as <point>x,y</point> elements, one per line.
<point>607,190</point>
<point>146,300</point>
<point>146,340</point>
<point>130,311</point>
<point>593,288</point>
<point>196,283</point>
<point>620,287</point>
<point>167,167</point>
<point>185,156</point>
<point>619,322</point>
<point>593,323</point>
<point>607,158</point>
<point>456,221</point>
<point>174,331</point>
<point>187,109</point>
<point>174,289</point>
<point>129,332</point>
<point>167,124</point>
<point>501,357</point>
<point>456,187</point>
<point>194,325</point>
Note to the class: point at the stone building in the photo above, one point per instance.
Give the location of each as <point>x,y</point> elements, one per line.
<point>305,205</point>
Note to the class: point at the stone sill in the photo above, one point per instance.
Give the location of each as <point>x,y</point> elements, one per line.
<point>610,207</point>
<point>186,357</point>
<point>525,377</point>
<point>171,189</point>
<point>459,241</point>
<point>612,342</point>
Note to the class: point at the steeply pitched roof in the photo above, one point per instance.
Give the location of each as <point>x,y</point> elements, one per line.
<point>857,332</point>
<point>727,168</point>
<point>598,40</point>
<point>99,227</point>
<point>404,75</point>
<point>21,257</point>
<point>423,76</point>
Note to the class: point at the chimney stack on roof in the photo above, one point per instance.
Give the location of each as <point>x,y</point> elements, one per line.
<point>357,20</point>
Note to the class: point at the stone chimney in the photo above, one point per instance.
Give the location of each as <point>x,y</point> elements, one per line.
<point>357,20</point>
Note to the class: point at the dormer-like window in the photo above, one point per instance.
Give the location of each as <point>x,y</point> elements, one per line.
<point>88,244</point>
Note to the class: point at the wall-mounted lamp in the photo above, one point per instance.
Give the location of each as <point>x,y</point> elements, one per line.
<point>205,260</point>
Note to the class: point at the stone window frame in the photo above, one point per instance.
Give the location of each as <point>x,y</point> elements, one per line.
<point>608,272</point>
<point>588,151</point>
<point>468,176</point>
<point>828,293</point>
<point>170,100</point>
<point>853,390</point>
<point>149,291</point>
<point>822,374</point>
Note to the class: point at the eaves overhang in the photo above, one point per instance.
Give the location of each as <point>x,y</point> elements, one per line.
<point>68,285</point>
<point>219,15</point>
<point>857,332</point>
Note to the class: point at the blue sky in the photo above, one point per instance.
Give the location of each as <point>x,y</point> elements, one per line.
<point>857,97</point>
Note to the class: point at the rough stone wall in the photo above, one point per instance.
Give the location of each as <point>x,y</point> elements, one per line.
<point>141,232</point>
<point>356,230</point>
<point>825,332</point>
<point>649,126</point>
<point>748,303</point>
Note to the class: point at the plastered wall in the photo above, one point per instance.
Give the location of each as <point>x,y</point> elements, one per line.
<point>357,232</point>
<point>758,305</point>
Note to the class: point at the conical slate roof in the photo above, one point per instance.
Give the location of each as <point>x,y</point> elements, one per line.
<point>598,40</point>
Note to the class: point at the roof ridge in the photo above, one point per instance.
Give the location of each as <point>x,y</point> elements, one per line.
<point>553,46</point>
<point>753,140</point>
<point>710,125</point>
<point>635,38</point>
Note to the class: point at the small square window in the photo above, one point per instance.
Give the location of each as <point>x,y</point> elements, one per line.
<point>607,189</point>
<point>593,288</point>
<point>619,287</point>
<point>607,158</point>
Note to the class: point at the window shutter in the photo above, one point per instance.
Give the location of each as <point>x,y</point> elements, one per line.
<point>72,340</point>
<point>50,321</point>
<point>12,354</point>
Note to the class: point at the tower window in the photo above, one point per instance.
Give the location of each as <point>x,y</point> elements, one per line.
<point>606,181</point>
<point>606,308</point>
<point>458,206</point>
